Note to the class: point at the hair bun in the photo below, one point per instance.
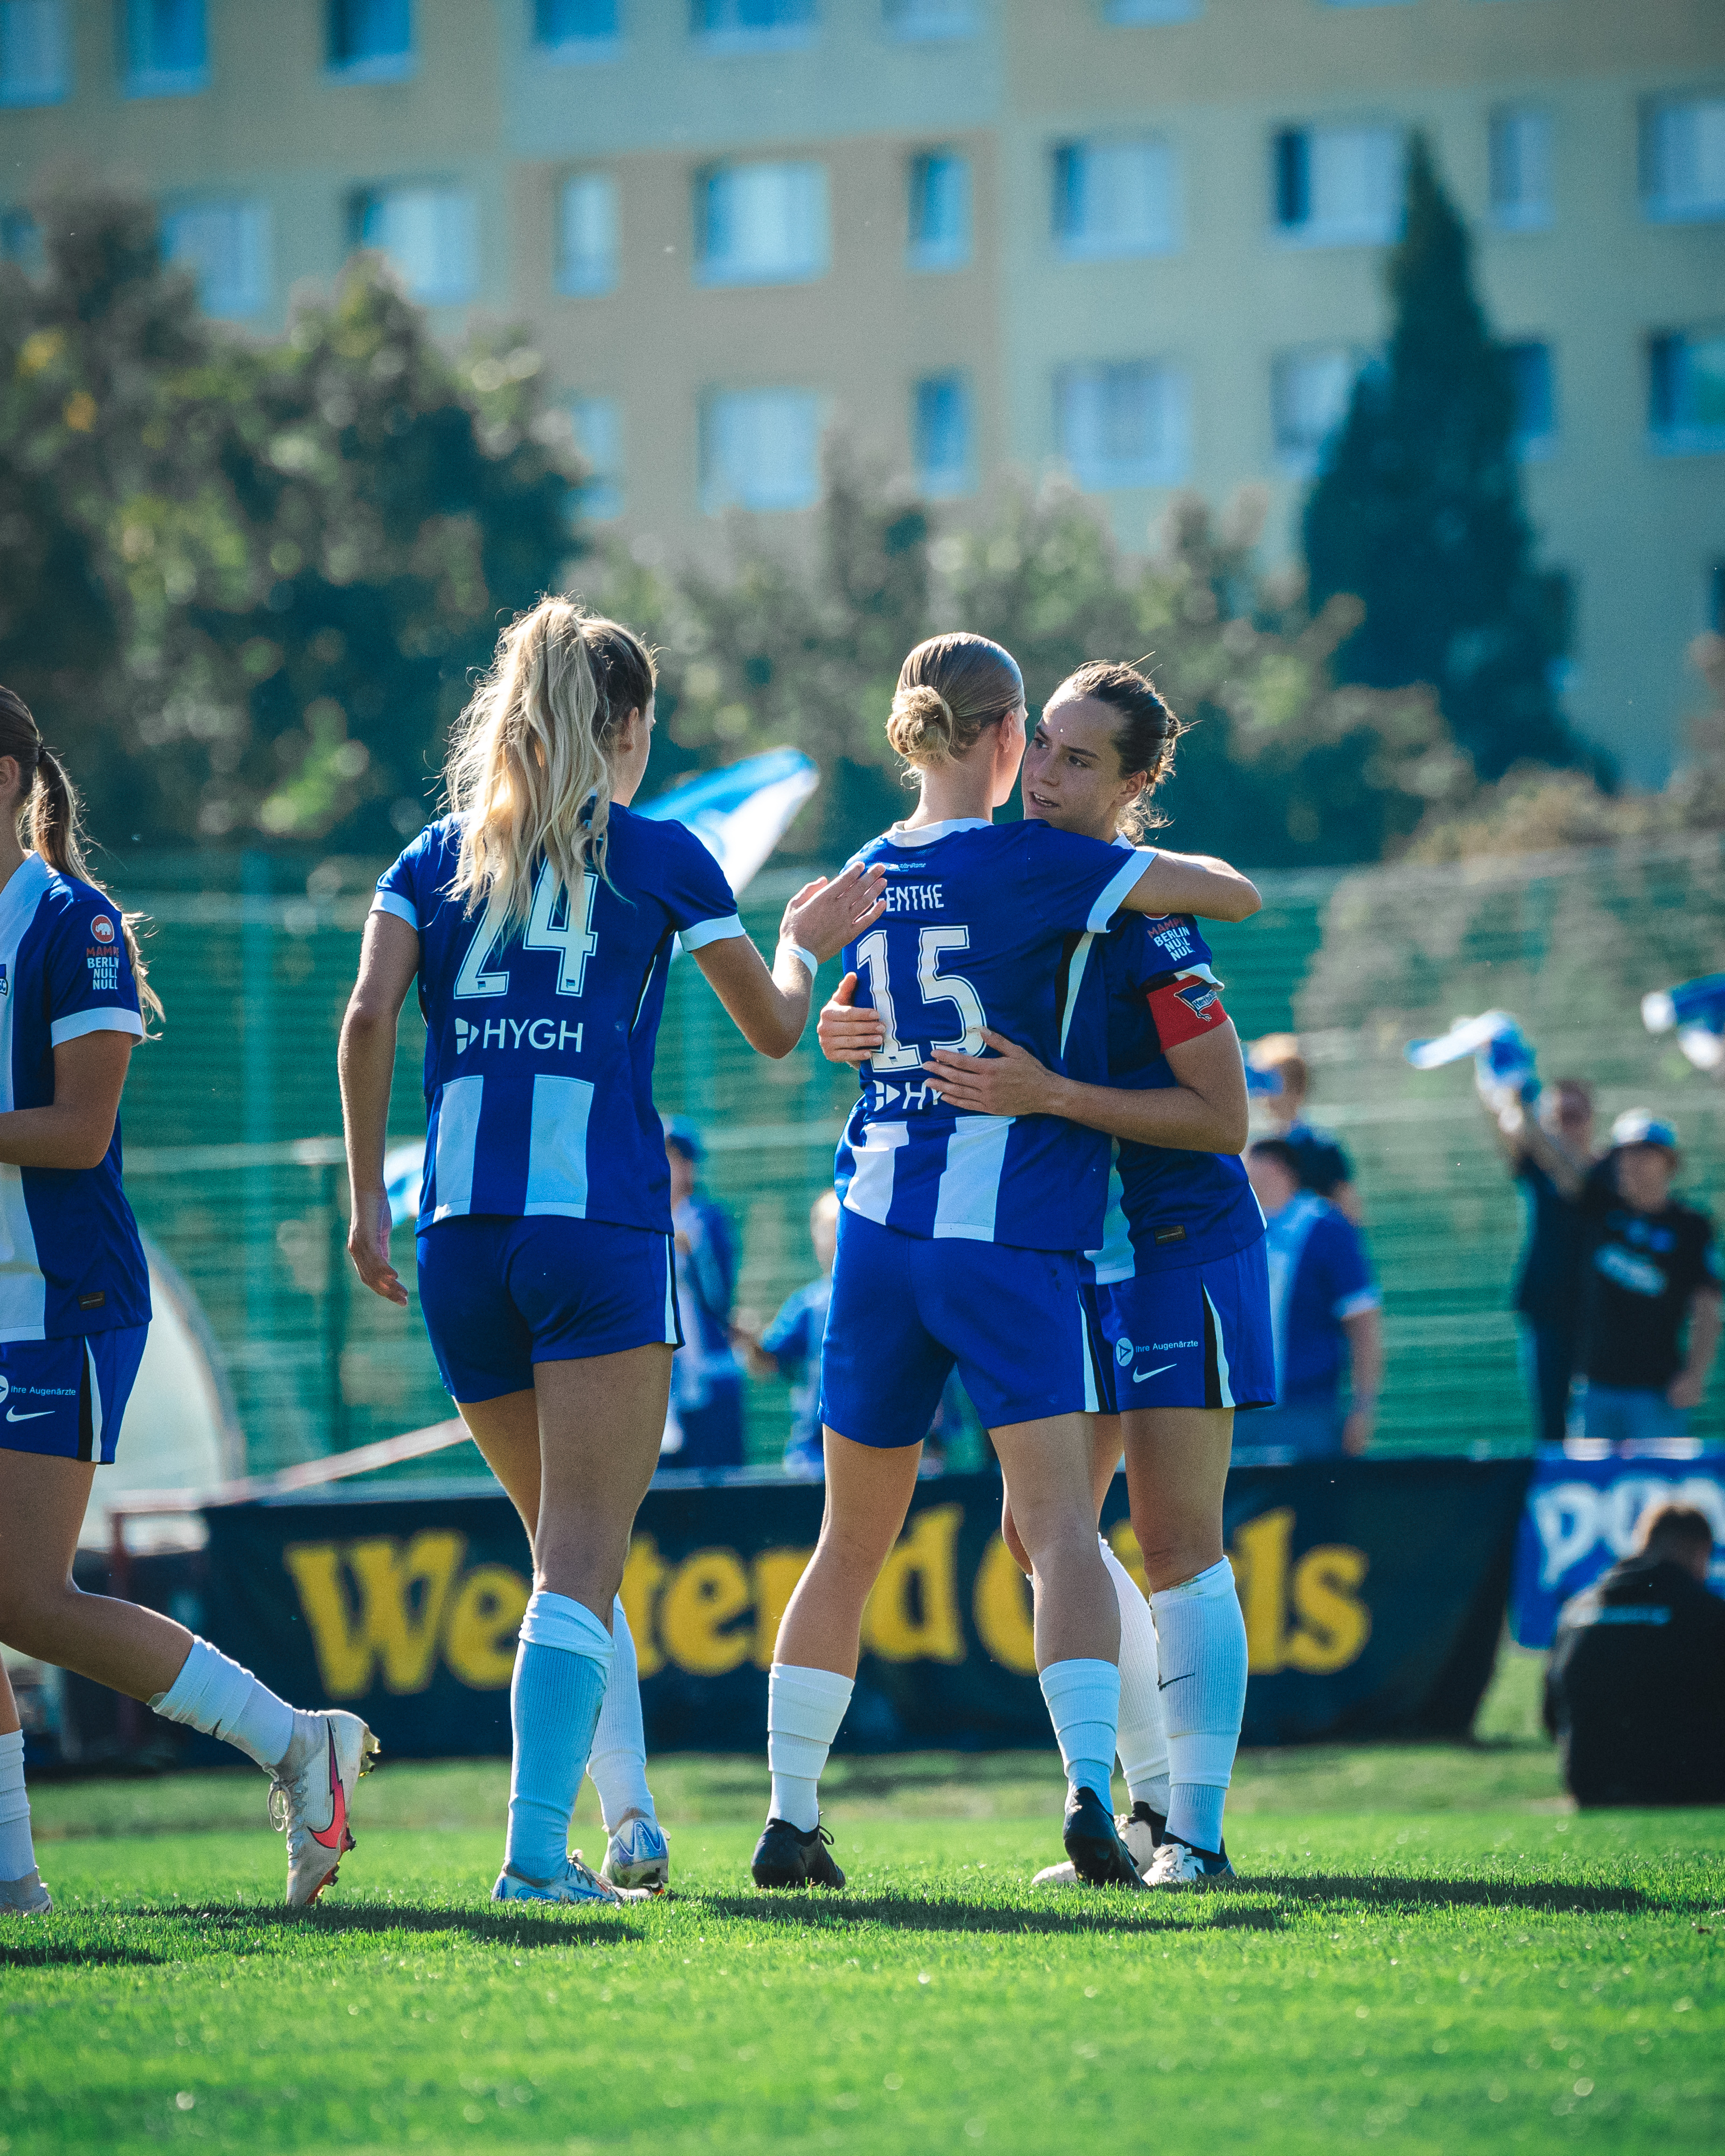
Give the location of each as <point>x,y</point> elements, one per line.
<point>920,727</point>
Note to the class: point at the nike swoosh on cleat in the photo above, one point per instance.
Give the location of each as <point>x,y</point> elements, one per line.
<point>331,1837</point>
<point>1140,1376</point>
<point>13,1415</point>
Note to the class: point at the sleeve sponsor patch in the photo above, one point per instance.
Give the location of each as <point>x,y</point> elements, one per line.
<point>1183,1008</point>
<point>102,928</point>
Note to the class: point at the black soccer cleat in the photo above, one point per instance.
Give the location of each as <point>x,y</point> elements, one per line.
<point>1099,1856</point>
<point>786,1857</point>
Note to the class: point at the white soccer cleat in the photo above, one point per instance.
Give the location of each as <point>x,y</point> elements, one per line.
<point>638,1854</point>
<point>1141,1830</point>
<point>1058,1875</point>
<point>576,1883</point>
<point>310,1795</point>
<point>25,1898</point>
<point>1177,1864</point>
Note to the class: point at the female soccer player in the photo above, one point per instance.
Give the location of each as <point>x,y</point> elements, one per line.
<point>1178,1293</point>
<point>959,1235</point>
<point>538,916</point>
<point>74,1307</point>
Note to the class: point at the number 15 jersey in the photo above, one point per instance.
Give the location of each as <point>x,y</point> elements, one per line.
<point>539,1045</point>
<point>983,926</point>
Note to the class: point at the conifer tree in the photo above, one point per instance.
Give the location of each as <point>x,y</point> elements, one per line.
<point>1417,511</point>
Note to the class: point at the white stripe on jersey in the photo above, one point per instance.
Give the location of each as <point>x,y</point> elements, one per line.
<point>870,1191</point>
<point>458,1122</point>
<point>404,909</point>
<point>556,1145</point>
<point>970,1182</point>
<point>1074,978</point>
<point>23,1290</point>
<point>703,933</point>
<point>1111,900</point>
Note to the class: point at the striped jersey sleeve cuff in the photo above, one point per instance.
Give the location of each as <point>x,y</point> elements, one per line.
<point>1109,904</point>
<point>1351,1306</point>
<point>113,1017</point>
<point>703,933</point>
<point>404,909</point>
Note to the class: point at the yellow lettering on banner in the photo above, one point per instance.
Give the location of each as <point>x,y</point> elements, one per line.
<point>643,1573</point>
<point>912,1615</point>
<point>1124,1543</point>
<point>777,1571</point>
<point>707,1592</point>
<point>479,1639</point>
<point>1003,1609</point>
<point>1260,1558</point>
<point>401,1588</point>
<point>1334,1623</point>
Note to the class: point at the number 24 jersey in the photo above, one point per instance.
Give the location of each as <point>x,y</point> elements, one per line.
<point>981,924</point>
<point>539,1043</point>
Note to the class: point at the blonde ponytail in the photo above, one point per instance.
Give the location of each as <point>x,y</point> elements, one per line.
<point>949,689</point>
<point>529,770</point>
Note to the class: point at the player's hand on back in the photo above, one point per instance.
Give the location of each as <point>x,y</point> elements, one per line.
<point>823,917</point>
<point>1010,1082</point>
<point>846,1033</point>
<point>368,1246</point>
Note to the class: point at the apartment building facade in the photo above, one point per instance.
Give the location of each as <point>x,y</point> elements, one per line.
<point>1139,241</point>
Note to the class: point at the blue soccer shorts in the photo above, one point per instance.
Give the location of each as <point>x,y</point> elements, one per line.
<point>1198,1338</point>
<point>501,1294</point>
<point>904,1309</point>
<point>67,1397</point>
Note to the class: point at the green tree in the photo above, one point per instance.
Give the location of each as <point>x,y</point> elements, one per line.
<point>1417,511</point>
<point>277,563</point>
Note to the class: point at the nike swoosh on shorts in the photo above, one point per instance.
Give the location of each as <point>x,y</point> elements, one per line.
<point>35,1415</point>
<point>1141,1377</point>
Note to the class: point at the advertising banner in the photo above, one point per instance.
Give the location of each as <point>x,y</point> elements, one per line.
<point>1373,1594</point>
<point>1581,1518</point>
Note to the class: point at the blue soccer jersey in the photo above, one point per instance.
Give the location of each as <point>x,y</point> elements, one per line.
<point>981,924</point>
<point>1152,988</point>
<point>70,1259</point>
<point>539,1043</point>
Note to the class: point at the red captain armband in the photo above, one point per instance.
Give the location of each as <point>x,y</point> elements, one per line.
<point>1184,1006</point>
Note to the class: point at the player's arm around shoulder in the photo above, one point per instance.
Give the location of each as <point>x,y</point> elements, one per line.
<point>770,1009</point>
<point>1191,883</point>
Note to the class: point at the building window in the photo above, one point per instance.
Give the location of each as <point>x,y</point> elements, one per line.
<point>372,40</point>
<point>931,21</point>
<point>752,26</point>
<point>1683,158</point>
<point>1114,198</point>
<point>1536,410</point>
<point>940,211</point>
<point>1338,187</point>
<point>586,235</point>
<point>941,435</point>
<point>166,53</point>
<point>1150,11</point>
<point>576,30</point>
<point>1310,392</point>
<point>226,246</point>
<point>1126,425</point>
<point>21,241</point>
<point>33,52</point>
<point>430,235</point>
<point>1521,169</point>
<point>761,224</point>
<point>597,422</point>
<point>1686,391</point>
<point>760,449</point>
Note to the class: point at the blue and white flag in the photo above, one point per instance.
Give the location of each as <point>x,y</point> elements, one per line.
<point>1504,1067</point>
<point>1697,1010</point>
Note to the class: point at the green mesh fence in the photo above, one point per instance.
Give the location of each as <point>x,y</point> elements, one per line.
<point>230,1117</point>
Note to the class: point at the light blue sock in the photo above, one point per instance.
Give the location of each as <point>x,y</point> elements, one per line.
<point>560,1668</point>
<point>1084,1706</point>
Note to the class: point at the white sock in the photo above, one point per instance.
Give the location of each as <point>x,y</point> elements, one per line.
<point>1143,1732</point>
<point>1201,1634</point>
<point>218,1697</point>
<point>1084,1706</point>
<point>618,1762</point>
<point>17,1854</point>
<point>804,1707</point>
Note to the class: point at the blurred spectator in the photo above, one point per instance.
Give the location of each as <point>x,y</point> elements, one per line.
<point>1325,1312</point>
<point>1324,1165</point>
<point>1650,1295</point>
<point>704,1427</point>
<point>1550,1155</point>
<point>790,1346</point>
<point>1635,1692</point>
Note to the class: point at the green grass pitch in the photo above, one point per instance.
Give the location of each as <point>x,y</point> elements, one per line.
<point>1427,1951</point>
